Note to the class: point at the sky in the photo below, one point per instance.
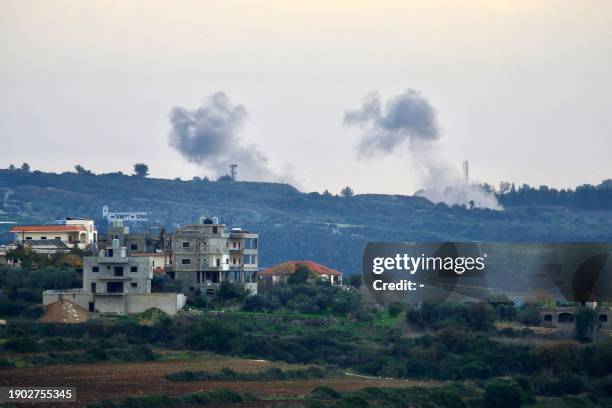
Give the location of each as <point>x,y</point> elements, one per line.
<point>521,89</point>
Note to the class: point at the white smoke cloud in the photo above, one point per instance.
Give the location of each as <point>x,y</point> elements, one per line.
<point>409,121</point>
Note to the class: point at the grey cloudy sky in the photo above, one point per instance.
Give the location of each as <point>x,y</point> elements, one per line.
<point>522,89</point>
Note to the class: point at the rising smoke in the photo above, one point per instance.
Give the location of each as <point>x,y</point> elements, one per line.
<point>409,121</point>
<point>208,137</point>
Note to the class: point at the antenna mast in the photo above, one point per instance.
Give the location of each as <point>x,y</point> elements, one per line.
<point>466,171</point>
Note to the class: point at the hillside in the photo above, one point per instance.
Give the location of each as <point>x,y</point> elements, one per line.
<point>293,225</point>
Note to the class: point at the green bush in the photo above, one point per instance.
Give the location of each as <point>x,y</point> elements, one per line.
<point>395,309</point>
<point>529,314</point>
<point>21,345</point>
<point>325,393</point>
<point>503,393</point>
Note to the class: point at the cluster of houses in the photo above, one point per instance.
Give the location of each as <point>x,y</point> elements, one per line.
<point>117,276</point>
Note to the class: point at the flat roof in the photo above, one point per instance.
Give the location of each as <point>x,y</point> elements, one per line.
<point>48,228</point>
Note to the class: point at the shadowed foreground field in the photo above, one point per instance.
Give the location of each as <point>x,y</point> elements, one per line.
<point>103,381</point>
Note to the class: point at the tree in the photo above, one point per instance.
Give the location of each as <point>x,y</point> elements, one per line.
<point>25,167</point>
<point>301,275</point>
<point>504,393</point>
<point>585,323</point>
<point>141,170</point>
<point>12,167</point>
<point>347,192</point>
<point>504,187</point>
<point>82,170</point>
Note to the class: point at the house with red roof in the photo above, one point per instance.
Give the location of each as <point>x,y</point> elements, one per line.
<point>280,272</point>
<point>73,232</point>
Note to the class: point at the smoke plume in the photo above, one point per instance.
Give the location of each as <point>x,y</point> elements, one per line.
<point>208,136</point>
<point>409,121</point>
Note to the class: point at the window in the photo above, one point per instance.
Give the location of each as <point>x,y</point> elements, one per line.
<point>133,269</point>
<point>215,230</point>
<point>93,287</point>
<point>250,259</point>
<point>218,262</point>
<point>43,237</point>
<point>118,271</point>
<point>28,237</point>
<point>58,238</point>
<point>134,247</point>
<point>185,244</point>
<point>185,261</point>
<point>134,285</point>
<point>250,243</point>
<point>109,253</point>
<point>95,269</point>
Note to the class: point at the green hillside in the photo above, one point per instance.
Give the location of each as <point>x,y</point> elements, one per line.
<point>328,229</point>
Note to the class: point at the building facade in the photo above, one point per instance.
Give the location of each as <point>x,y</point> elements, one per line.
<point>116,283</point>
<point>204,255</point>
<point>73,233</point>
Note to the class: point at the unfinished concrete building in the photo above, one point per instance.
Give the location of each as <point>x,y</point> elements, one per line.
<point>204,255</point>
<point>116,283</point>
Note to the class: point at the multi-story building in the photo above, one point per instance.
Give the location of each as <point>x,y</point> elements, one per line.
<point>151,241</point>
<point>116,283</point>
<point>113,271</point>
<point>73,233</point>
<point>204,255</point>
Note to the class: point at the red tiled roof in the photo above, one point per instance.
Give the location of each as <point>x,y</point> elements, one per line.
<point>289,267</point>
<point>47,228</point>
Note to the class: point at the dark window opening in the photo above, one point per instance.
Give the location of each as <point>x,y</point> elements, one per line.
<point>215,230</point>
<point>185,244</point>
<point>603,318</point>
<point>133,269</point>
<point>95,269</point>
<point>134,285</point>
<point>134,247</point>
<point>93,287</point>
<point>548,318</point>
<point>109,253</point>
<point>91,307</point>
<point>118,271</point>
<point>114,287</point>
<point>566,318</point>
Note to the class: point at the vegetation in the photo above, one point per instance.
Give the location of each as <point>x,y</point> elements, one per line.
<point>271,374</point>
<point>331,229</point>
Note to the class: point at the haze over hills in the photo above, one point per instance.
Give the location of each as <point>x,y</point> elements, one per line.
<point>328,229</point>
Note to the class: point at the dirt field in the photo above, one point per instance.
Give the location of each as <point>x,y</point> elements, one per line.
<point>102,381</point>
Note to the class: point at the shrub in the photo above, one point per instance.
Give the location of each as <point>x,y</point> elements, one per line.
<point>585,323</point>
<point>503,393</point>
<point>566,385</point>
<point>325,392</point>
<point>446,398</point>
<point>529,314</point>
<point>21,345</point>
<point>395,309</point>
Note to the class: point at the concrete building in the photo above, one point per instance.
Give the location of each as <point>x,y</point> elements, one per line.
<point>128,216</point>
<point>115,283</point>
<point>73,233</point>
<point>155,240</point>
<point>204,255</point>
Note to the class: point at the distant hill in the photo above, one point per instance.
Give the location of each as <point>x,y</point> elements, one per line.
<point>328,229</point>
